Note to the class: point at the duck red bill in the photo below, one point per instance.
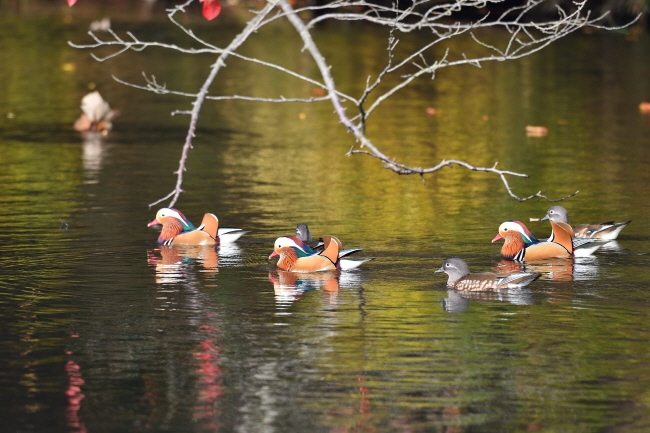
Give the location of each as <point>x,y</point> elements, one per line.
<point>273,254</point>
<point>497,237</point>
<point>153,223</point>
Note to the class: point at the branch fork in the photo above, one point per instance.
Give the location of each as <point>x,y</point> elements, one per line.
<point>427,16</point>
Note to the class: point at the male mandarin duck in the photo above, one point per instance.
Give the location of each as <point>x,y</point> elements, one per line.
<point>521,245</point>
<point>296,256</point>
<point>544,248</point>
<point>606,231</point>
<point>178,230</point>
<point>461,279</point>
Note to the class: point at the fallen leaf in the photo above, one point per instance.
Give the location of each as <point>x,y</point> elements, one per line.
<point>536,131</point>
<point>431,111</point>
<point>318,91</point>
<point>644,107</point>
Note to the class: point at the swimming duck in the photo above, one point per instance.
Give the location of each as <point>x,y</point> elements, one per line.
<point>296,256</point>
<point>178,230</point>
<point>461,279</point>
<point>608,231</point>
<point>303,233</point>
<point>97,114</point>
<point>521,245</point>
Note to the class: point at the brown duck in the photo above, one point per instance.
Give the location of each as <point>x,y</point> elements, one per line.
<point>606,231</point>
<point>461,279</point>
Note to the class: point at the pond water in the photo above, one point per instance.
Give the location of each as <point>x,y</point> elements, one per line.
<point>102,330</point>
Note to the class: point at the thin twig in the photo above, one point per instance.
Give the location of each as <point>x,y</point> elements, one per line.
<point>250,28</point>
<point>430,18</point>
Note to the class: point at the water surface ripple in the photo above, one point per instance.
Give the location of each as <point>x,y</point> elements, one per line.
<point>102,330</point>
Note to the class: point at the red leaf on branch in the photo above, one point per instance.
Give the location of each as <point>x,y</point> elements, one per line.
<point>71,2</point>
<point>211,9</point>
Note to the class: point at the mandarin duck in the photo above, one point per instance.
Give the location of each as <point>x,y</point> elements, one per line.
<point>178,230</point>
<point>303,233</point>
<point>296,256</point>
<point>521,245</point>
<point>461,279</point>
<point>606,231</point>
<point>97,114</point>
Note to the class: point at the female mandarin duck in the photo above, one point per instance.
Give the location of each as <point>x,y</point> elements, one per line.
<point>303,233</point>
<point>461,279</point>
<point>296,256</point>
<point>606,231</point>
<point>521,245</point>
<point>178,230</point>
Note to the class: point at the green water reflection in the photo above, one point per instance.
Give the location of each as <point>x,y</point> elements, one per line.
<point>103,330</point>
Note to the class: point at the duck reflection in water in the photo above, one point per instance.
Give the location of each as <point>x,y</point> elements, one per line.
<point>173,263</point>
<point>558,269</point>
<point>289,286</point>
<point>92,156</point>
<point>457,302</point>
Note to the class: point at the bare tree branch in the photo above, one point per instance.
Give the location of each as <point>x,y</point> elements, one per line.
<point>250,28</point>
<point>431,20</point>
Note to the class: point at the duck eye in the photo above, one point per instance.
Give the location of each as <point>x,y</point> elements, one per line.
<point>505,230</point>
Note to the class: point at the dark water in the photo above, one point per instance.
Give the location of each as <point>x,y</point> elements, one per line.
<point>102,331</point>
